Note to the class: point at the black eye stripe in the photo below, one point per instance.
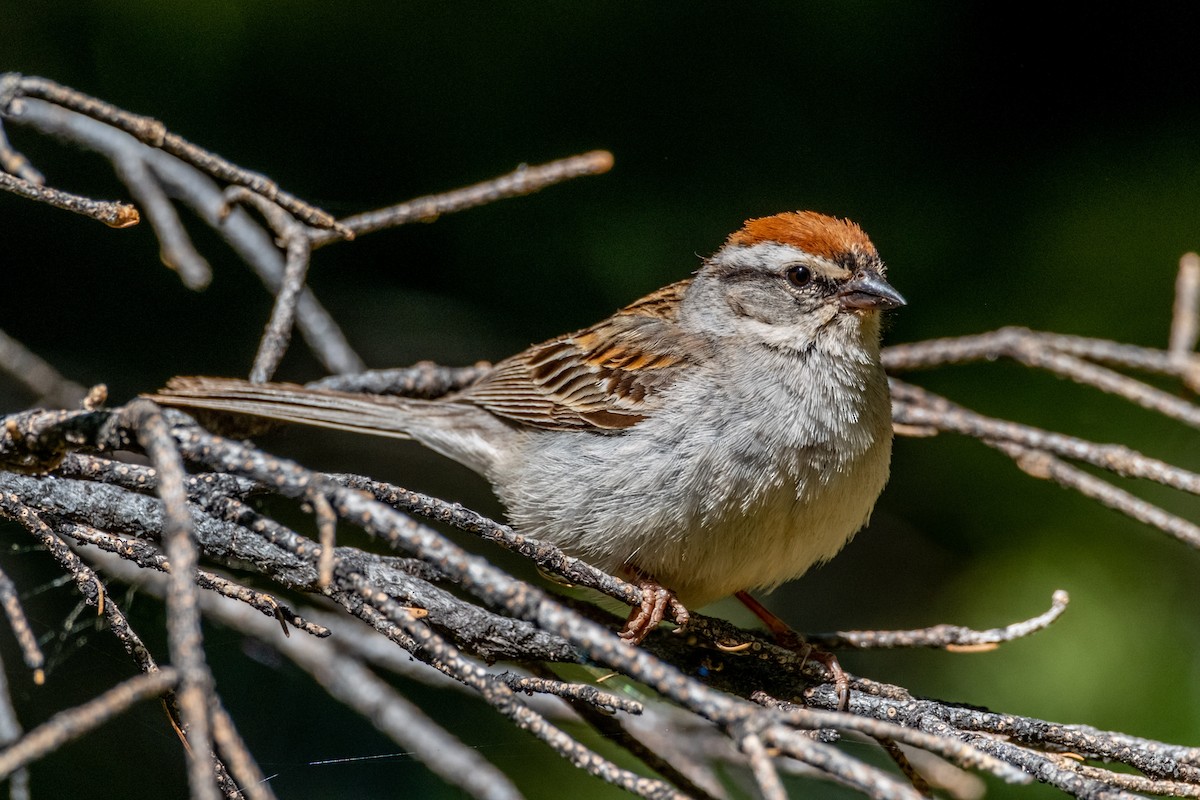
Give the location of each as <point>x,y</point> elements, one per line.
<point>738,274</point>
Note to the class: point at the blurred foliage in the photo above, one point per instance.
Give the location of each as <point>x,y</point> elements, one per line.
<point>1011,169</point>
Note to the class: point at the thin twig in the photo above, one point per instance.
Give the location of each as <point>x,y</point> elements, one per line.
<point>14,163</point>
<point>11,731</point>
<point>992,345</point>
<point>1048,352</point>
<point>112,213</point>
<point>871,781</point>
<point>760,764</point>
<point>348,681</point>
<point>1185,316</point>
<point>183,615</point>
<point>204,196</point>
<point>259,251</point>
<point>606,702</point>
<point>950,637</point>
<point>153,133</point>
<point>17,621</point>
<point>521,181</point>
<point>175,246</point>
<point>327,531</point>
<point>913,406</point>
<point>546,556</point>
<point>140,478</point>
<point>1134,783</point>
<point>678,770</point>
<point>947,723</point>
<point>1046,770</point>
<point>242,766</point>
<point>431,648</point>
<point>900,759</point>
<point>893,728</point>
<point>296,245</point>
<point>69,725</point>
<point>46,383</point>
<point>1045,466</point>
<point>342,672</point>
<point>86,580</point>
<point>146,555</point>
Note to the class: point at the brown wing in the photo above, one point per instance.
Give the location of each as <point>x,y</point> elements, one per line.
<point>606,377</point>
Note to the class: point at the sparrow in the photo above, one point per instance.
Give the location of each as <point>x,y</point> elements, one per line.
<point>722,434</point>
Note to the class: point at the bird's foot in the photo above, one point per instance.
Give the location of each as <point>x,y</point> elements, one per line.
<point>787,638</point>
<point>657,600</point>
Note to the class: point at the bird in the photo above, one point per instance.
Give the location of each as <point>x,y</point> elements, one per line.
<point>720,435</point>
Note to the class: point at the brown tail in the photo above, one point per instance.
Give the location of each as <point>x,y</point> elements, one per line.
<point>288,402</point>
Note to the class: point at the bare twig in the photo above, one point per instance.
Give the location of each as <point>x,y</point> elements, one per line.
<point>1045,466</point>
<point>913,406</point>
<point>1134,783</point>
<point>153,133</point>
<point>147,556</point>
<point>200,192</point>
<point>350,682</point>
<point>871,781</point>
<point>900,759</point>
<point>1185,317</point>
<point>112,213</point>
<point>242,765</point>
<point>589,695</point>
<point>760,764</point>
<point>69,725</point>
<point>20,628</point>
<point>10,732</point>
<point>183,614</point>
<point>683,771</point>
<point>14,163</point>
<point>423,643</point>
<point>1051,352</point>
<point>296,245</point>
<point>327,530</point>
<point>43,380</point>
<point>521,181</point>
<point>86,580</point>
<point>950,637</point>
<point>956,752</point>
<point>546,556</point>
<point>254,246</point>
<point>175,247</point>
<point>1000,343</point>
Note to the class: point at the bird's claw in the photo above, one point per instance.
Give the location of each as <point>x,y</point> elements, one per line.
<point>657,600</point>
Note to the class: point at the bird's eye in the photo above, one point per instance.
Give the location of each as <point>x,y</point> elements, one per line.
<point>799,276</point>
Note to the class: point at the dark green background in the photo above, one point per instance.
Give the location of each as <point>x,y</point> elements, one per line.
<point>1011,170</point>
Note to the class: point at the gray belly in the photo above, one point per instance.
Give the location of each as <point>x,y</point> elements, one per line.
<point>703,515</point>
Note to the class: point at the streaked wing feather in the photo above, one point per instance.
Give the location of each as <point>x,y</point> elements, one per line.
<point>607,377</point>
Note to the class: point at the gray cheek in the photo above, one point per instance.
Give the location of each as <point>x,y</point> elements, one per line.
<point>765,304</point>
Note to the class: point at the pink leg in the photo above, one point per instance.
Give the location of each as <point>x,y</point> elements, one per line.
<point>786,637</point>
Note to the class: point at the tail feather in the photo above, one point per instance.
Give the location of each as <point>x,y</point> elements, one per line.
<point>461,431</point>
<point>286,402</point>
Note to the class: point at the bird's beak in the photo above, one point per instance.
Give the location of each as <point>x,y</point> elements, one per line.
<point>867,290</point>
